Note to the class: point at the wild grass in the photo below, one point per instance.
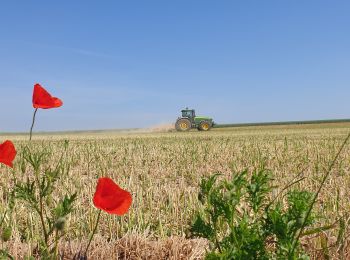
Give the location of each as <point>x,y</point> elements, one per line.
<point>163,171</point>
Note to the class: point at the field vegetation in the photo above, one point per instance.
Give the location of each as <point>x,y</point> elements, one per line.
<point>163,171</point>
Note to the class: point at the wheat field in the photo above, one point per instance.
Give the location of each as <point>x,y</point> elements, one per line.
<point>162,170</point>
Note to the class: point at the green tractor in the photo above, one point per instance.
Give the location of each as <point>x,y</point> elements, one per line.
<point>189,120</point>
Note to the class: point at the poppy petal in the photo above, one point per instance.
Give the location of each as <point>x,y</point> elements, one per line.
<point>123,208</point>
<point>111,198</point>
<point>7,153</point>
<point>43,99</point>
<point>57,102</point>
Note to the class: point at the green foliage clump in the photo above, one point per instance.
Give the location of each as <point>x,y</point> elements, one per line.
<point>37,192</point>
<point>242,221</point>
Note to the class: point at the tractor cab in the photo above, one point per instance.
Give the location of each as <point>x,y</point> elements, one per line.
<point>188,113</point>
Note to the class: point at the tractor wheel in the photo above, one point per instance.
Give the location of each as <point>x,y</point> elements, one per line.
<point>183,124</point>
<point>204,126</point>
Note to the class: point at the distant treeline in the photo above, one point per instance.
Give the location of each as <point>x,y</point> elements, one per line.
<point>285,123</point>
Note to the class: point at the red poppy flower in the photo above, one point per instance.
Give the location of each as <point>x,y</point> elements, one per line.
<point>7,153</point>
<point>43,99</point>
<point>111,198</point>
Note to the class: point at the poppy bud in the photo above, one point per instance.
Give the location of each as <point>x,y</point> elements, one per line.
<point>60,223</point>
<point>49,201</point>
<point>6,234</point>
<point>23,166</point>
<point>65,144</point>
<point>201,197</point>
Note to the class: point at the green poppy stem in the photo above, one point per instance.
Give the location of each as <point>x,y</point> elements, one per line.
<point>308,213</point>
<point>93,232</point>
<point>31,128</point>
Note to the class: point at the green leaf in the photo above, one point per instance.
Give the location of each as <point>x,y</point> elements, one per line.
<point>202,229</point>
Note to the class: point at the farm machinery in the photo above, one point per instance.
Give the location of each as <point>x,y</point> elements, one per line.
<point>189,120</point>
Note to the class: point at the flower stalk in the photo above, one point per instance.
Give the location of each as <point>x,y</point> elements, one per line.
<point>31,128</point>
<point>93,232</point>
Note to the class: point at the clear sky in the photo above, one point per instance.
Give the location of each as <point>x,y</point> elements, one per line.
<point>121,64</point>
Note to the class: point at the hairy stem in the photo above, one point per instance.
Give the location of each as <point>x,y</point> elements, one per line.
<point>31,128</point>
<point>56,243</point>
<point>41,213</point>
<point>40,209</point>
<point>93,232</point>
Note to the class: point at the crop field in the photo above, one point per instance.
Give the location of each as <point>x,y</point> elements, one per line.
<point>162,171</point>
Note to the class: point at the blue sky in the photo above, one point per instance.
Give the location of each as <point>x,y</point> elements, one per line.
<point>121,64</point>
